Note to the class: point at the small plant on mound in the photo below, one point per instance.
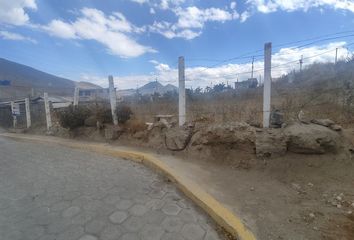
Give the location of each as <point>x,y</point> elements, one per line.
<point>135,125</point>
<point>124,113</point>
<point>72,118</point>
<point>103,114</point>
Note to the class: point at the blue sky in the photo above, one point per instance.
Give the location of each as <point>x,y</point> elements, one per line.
<point>137,41</point>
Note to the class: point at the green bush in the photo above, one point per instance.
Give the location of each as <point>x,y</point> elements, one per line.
<point>72,118</point>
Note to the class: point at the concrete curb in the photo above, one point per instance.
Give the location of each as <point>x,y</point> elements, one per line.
<point>224,217</point>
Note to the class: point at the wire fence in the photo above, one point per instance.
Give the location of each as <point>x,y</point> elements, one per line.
<point>320,90</point>
<point>324,90</point>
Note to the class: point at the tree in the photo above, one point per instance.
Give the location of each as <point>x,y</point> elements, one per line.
<point>198,90</point>
<point>219,87</point>
<point>208,89</point>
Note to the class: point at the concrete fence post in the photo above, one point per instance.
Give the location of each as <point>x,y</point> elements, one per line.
<point>47,112</point>
<point>76,96</point>
<point>267,83</point>
<point>14,117</point>
<point>182,92</point>
<point>113,100</point>
<point>28,113</point>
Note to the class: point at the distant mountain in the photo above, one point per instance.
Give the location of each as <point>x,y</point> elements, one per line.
<point>126,92</point>
<point>148,89</point>
<point>152,87</point>
<point>170,88</point>
<point>20,79</point>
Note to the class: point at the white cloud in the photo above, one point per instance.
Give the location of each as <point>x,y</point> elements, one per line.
<point>269,6</point>
<point>283,61</point>
<point>15,37</point>
<point>140,1</point>
<point>153,61</point>
<point>244,16</point>
<point>113,31</point>
<point>60,29</point>
<point>170,31</point>
<point>161,4</point>
<point>168,4</point>
<point>13,12</point>
<point>193,17</point>
<point>162,67</point>
<point>191,21</point>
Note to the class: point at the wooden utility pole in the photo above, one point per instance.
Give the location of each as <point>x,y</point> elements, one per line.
<point>301,61</point>
<point>182,92</point>
<point>113,100</point>
<point>267,83</point>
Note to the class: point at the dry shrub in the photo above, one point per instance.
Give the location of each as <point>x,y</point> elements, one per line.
<point>124,113</point>
<point>103,114</point>
<point>72,118</point>
<point>135,125</point>
<point>6,117</point>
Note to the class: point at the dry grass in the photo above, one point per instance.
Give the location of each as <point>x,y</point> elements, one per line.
<point>320,91</point>
<point>135,125</point>
<point>247,106</point>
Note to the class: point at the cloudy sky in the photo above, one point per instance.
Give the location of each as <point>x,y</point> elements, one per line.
<point>138,41</point>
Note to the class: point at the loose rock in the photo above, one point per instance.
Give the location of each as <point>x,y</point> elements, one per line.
<point>323,122</point>
<point>176,139</point>
<point>269,142</point>
<point>312,139</point>
<point>112,133</point>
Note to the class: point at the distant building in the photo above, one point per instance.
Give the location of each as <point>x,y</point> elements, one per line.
<point>250,83</point>
<point>94,94</point>
<point>57,102</point>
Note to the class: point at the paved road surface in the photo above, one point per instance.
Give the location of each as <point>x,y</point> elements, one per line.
<point>50,192</point>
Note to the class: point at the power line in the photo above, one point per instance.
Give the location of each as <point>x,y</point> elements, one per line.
<point>311,39</point>
<point>249,54</point>
<point>285,64</point>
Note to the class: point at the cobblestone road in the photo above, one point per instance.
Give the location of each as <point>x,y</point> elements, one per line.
<point>49,192</point>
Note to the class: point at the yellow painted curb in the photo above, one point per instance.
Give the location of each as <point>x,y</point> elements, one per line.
<point>224,217</point>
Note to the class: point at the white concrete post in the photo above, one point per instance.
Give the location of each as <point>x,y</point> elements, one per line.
<point>28,113</point>
<point>14,117</point>
<point>267,83</point>
<point>47,112</point>
<point>113,100</point>
<point>182,92</point>
<point>76,96</point>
